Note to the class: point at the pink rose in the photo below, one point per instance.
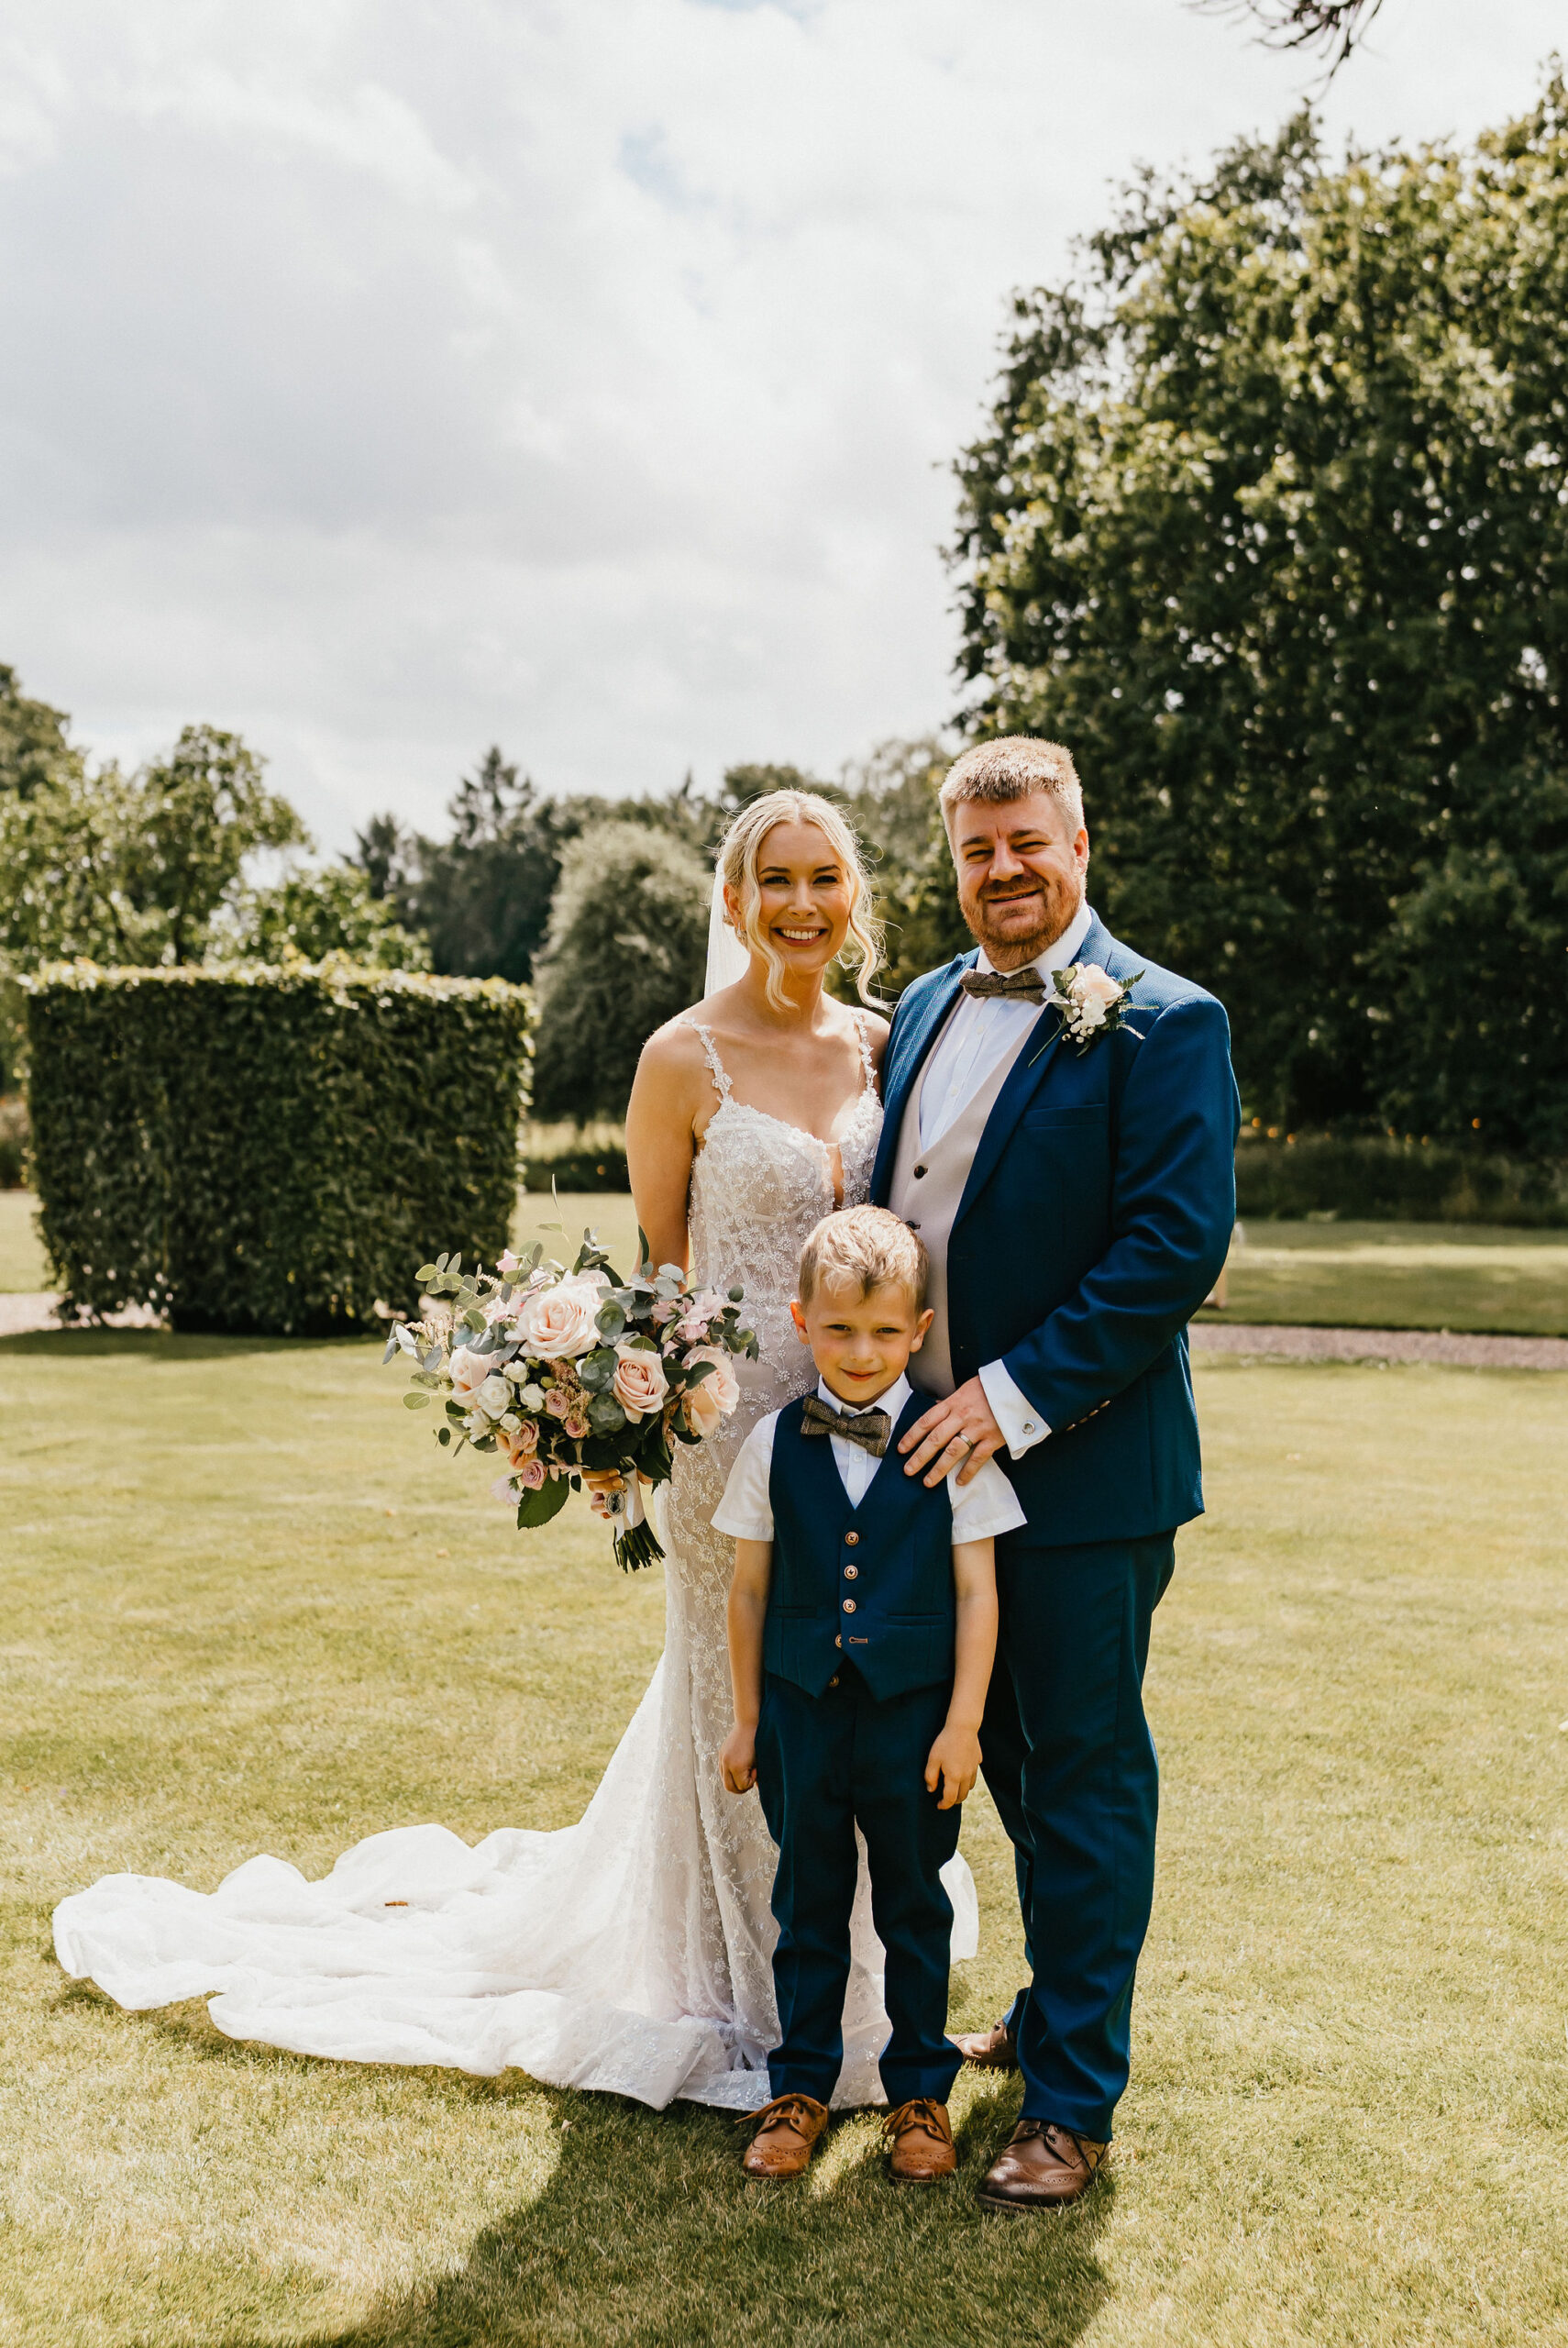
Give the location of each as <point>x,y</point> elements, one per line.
<point>520,1442</point>
<point>716,1397</point>
<point>531,1475</point>
<point>556,1323</point>
<point>575,1425</point>
<point>558,1402</point>
<point>508,1263</point>
<point>639,1384</point>
<point>468,1372</point>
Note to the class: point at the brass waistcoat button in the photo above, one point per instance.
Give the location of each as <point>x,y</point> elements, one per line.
<point>838,1643</point>
<point>852,1573</point>
<point>850,1539</point>
<point>849,1605</point>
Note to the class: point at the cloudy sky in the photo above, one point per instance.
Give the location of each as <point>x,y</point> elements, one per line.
<point>384,378</point>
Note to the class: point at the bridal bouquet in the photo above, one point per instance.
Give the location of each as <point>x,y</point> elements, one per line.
<point>560,1371</point>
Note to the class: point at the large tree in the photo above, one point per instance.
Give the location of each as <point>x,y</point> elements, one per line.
<point>627,948</point>
<point>1271,525</point>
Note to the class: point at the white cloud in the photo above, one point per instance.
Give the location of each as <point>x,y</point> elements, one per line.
<point>386,380</point>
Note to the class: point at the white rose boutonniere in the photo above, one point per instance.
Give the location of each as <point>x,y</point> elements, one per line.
<point>1090,1001</point>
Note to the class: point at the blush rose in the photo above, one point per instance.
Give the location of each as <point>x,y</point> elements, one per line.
<point>717,1395</point>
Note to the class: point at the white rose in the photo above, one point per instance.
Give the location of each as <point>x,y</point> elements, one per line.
<point>494,1396</point>
<point>556,1323</point>
<point>717,1395</point>
<point>639,1384</point>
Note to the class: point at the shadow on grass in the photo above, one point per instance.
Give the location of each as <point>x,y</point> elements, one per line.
<point>648,2236</point>
<point>162,1344</point>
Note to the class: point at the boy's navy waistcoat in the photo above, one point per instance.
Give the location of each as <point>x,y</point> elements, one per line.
<point>878,1578</point>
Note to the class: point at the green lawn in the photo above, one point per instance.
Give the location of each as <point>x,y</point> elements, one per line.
<point>22,1265</point>
<point>1357,1275</point>
<point>1401,1276</point>
<point>248,1607</point>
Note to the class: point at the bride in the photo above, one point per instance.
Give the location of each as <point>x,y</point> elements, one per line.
<point>632,1951</point>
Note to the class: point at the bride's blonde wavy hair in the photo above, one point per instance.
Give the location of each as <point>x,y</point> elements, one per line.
<point>740,854</point>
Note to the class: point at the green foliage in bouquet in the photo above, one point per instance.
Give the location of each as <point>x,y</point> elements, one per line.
<point>268,1150</point>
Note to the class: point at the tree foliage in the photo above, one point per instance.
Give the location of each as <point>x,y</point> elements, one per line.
<point>628,946</point>
<point>133,868</point>
<point>318,911</point>
<point>1271,525</point>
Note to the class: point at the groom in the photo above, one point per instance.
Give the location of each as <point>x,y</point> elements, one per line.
<point>1075,1193</point>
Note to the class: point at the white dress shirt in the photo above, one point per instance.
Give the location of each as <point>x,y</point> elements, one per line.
<point>985,1507</point>
<point>980,1031</point>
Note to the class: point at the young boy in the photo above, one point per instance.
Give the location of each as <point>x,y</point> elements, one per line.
<point>863,1623</point>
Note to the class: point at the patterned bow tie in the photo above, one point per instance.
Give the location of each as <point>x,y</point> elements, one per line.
<point>1025,985</point>
<point>872,1430</point>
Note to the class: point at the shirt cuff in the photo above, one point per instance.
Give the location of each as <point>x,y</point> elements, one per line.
<point>1019,1422</point>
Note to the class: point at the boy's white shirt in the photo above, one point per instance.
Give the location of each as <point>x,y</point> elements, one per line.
<point>984,1507</point>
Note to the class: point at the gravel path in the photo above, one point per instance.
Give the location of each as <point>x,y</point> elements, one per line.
<point>1380,1345</point>
<point>21,1314</point>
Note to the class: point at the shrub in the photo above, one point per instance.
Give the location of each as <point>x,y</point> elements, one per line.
<point>628,946</point>
<point>13,1143</point>
<point>575,1157</point>
<point>266,1150</point>
<point>1368,1178</point>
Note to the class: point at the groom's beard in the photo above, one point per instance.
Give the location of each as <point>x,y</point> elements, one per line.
<point>995,916</point>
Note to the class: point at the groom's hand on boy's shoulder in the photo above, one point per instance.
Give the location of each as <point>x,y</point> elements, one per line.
<point>961,1433</point>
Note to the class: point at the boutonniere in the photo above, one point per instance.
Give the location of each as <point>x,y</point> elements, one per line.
<point>1090,1001</point>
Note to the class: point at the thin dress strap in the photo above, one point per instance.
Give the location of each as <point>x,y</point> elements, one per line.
<point>867,1062</point>
<point>711,1053</point>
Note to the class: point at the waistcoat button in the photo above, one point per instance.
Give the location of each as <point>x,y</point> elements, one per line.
<point>852,1573</point>
<point>849,1605</point>
<point>838,1643</point>
<point>918,1172</point>
<point>850,1539</point>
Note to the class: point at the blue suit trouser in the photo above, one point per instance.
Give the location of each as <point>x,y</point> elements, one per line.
<point>825,1764</point>
<point>1071,1767</point>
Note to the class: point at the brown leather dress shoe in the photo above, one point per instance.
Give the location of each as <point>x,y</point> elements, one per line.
<point>787,2132</point>
<point>991,2050</point>
<point>1043,2167</point>
<point>920,2142</point>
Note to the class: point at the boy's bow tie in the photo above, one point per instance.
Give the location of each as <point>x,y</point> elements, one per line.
<point>1026,984</point>
<point>872,1430</point>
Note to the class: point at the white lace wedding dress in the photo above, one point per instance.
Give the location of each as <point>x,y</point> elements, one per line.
<point>632,1951</point>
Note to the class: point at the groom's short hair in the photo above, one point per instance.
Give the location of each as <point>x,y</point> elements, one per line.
<point>1015,765</point>
<point>865,1248</point>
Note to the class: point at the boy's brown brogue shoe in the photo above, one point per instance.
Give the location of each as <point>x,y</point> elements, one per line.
<point>1043,2167</point>
<point>787,2132</point>
<point>919,2139</point>
<point>991,2050</point>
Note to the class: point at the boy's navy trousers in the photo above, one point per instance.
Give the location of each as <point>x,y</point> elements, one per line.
<point>825,1764</point>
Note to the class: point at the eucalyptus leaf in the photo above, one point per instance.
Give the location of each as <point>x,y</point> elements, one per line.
<point>414,1401</point>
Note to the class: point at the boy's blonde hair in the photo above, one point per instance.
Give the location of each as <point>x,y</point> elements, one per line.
<point>869,1247</point>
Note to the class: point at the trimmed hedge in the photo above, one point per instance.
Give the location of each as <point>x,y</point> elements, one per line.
<point>265,1150</point>
<point>1366,1177</point>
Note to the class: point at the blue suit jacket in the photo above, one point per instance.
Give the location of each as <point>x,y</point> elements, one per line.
<point>1095,1220</point>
